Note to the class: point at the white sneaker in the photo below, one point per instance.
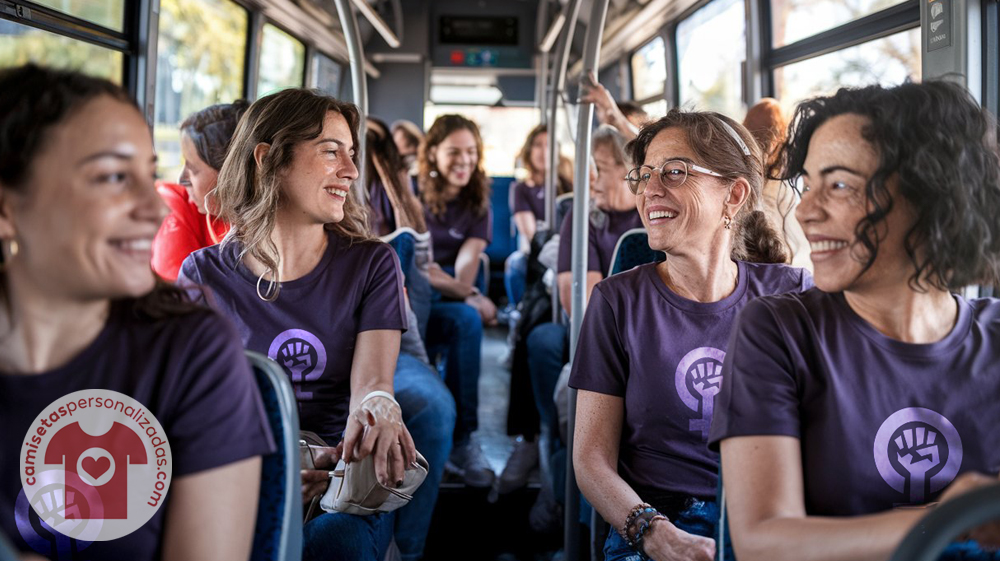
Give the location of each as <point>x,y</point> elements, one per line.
<point>467,462</point>
<point>522,460</point>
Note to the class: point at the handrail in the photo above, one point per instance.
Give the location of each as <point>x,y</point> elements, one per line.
<point>359,85</point>
<point>934,532</point>
<point>552,124</point>
<point>581,196</point>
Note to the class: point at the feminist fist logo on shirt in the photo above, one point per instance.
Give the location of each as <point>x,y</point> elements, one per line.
<point>95,466</point>
<point>303,356</point>
<point>698,380</point>
<point>918,452</point>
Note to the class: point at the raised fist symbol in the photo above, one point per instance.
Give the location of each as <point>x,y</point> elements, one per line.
<point>707,379</point>
<point>918,453</point>
<point>296,356</point>
<point>58,510</point>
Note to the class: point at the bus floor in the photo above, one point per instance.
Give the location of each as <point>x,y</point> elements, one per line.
<point>469,523</point>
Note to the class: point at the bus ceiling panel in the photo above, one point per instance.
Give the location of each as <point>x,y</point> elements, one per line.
<point>634,26</point>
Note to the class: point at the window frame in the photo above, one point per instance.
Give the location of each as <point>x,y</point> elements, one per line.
<point>991,55</point>
<point>308,47</point>
<point>897,18</point>
<point>673,54</point>
<point>663,36</point>
<point>126,42</point>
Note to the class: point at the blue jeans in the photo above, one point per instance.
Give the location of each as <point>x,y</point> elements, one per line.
<point>347,537</point>
<point>515,277</point>
<point>546,347</point>
<point>429,414</point>
<point>700,519</point>
<point>456,329</point>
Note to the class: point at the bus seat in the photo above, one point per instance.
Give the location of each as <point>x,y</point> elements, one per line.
<point>929,539</point>
<point>404,242</point>
<point>278,533</point>
<point>564,202</point>
<point>633,250</point>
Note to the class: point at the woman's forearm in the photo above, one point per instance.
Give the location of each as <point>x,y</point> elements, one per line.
<point>449,286</point>
<point>606,491</point>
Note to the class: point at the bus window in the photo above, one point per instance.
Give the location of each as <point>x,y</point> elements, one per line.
<point>710,69</point>
<point>20,44</point>
<point>201,48</point>
<point>887,61</point>
<point>649,70</point>
<point>106,13</point>
<point>792,20</point>
<point>655,109</point>
<point>326,74</point>
<point>282,61</point>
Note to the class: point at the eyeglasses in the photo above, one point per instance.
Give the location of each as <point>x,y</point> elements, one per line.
<point>672,174</point>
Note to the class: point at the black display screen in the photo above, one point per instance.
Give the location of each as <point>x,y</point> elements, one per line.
<point>475,30</point>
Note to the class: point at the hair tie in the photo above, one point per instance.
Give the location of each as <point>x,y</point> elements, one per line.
<point>739,140</point>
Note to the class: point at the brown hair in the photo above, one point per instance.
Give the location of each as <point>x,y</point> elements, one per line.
<point>564,171</point>
<point>248,196</point>
<point>36,102</point>
<point>755,239</point>
<point>385,163</point>
<point>768,125</point>
<point>211,130</point>
<point>476,195</point>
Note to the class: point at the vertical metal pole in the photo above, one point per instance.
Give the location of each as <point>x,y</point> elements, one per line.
<point>552,154</point>
<point>558,84</point>
<point>359,84</point>
<point>581,196</point>
<point>543,87</point>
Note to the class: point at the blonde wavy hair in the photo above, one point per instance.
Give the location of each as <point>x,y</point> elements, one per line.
<point>476,195</point>
<point>249,195</point>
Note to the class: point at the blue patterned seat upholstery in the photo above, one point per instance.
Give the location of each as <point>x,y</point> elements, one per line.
<point>278,533</point>
<point>633,250</point>
<point>404,243</point>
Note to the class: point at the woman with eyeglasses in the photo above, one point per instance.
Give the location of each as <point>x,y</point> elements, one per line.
<point>649,358</point>
<point>848,409</point>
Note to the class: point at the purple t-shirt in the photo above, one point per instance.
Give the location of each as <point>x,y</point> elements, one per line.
<point>383,216</point>
<point>882,423</point>
<point>450,230</point>
<point>529,199</point>
<point>312,328</point>
<point>189,371</point>
<point>603,239</point>
<point>663,354</point>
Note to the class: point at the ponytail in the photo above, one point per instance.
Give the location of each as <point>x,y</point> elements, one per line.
<point>756,240</point>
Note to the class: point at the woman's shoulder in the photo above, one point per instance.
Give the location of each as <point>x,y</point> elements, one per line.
<point>625,286</point>
<point>777,278</point>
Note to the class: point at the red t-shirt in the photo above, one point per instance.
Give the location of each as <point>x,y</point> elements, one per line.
<point>121,444</point>
<point>184,231</point>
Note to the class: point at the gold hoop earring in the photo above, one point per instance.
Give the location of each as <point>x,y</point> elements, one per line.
<point>12,250</point>
<point>729,222</point>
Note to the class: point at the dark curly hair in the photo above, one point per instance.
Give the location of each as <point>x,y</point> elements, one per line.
<point>34,102</point>
<point>942,147</point>
<point>755,240</point>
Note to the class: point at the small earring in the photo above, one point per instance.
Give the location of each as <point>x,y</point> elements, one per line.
<point>12,250</point>
<point>729,222</point>
<point>433,173</point>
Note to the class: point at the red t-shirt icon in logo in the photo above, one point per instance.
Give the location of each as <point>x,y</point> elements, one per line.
<point>120,447</point>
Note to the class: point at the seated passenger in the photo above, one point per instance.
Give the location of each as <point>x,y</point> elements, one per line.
<point>408,137</point>
<point>305,284</point>
<point>456,197</point>
<point>529,208</point>
<point>81,310</point>
<point>768,126</point>
<point>900,204</point>
<point>192,223</point>
<point>650,353</point>
<point>428,408</point>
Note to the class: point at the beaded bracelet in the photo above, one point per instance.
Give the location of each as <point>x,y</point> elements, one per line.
<point>630,519</point>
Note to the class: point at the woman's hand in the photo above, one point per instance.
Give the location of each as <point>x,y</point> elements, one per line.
<point>376,427</point>
<point>315,481</point>
<point>665,542</point>
<point>486,308</point>
<point>988,535</point>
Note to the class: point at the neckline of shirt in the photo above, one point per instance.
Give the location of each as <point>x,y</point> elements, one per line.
<point>950,341</point>
<point>233,260</point>
<point>696,307</point>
